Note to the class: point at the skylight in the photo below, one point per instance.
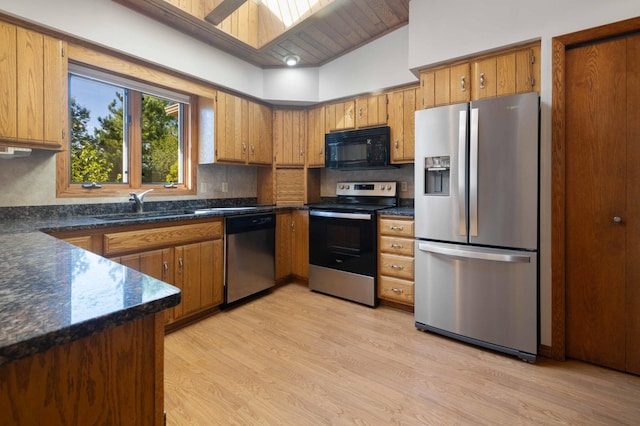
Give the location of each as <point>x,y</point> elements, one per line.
<point>289,11</point>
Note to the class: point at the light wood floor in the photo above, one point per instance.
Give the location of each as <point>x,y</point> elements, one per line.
<point>295,357</point>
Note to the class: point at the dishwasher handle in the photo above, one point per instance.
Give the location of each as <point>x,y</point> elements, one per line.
<point>248,223</point>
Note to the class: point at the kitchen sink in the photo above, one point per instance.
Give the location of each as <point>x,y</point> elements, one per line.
<point>143,215</point>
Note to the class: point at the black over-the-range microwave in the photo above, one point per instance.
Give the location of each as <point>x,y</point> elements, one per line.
<point>358,149</point>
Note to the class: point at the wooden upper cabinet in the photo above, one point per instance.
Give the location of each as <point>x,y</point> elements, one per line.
<point>528,69</point>
<point>460,83</point>
<point>340,116</point>
<point>243,131</point>
<point>260,134</point>
<point>445,86</point>
<point>484,78</point>
<point>315,137</point>
<point>231,128</point>
<point>427,89</point>
<point>289,136</point>
<point>33,88</point>
<point>402,106</point>
<point>371,110</point>
<point>514,71</point>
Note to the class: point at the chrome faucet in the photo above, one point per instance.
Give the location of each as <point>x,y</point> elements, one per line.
<point>138,199</point>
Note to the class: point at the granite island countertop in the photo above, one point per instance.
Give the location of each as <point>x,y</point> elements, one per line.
<point>52,293</point>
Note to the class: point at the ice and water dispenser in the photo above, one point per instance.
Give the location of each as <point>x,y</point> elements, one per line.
<point>437,176</point>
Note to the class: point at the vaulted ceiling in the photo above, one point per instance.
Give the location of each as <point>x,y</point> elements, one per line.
<point>265,32</point>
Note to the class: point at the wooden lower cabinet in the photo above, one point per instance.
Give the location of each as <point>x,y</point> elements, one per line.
<point>189,256</point>
<point>396,259</point>
<point>292,244</point>
<point>199,274</point>
<point>113,377</point>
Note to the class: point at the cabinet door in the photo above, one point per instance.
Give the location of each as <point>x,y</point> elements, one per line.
<point>442,83</point>
<point>315,137</point>
<point>231,128</point>
<point>528,70</point>
<point>340,116</point>
<point>289,136</point>
<point>260,134</point>
<point>371,110</point>
<point>484,79</point>
<point>33,88</point>
<point>199,275</point>
<point>300,244</point>
<point>460,83</point>
<point>211,273</point>
<point>402,106</point>
<point>428,87</point>
<point>506,74</point>
<point>283,244</point>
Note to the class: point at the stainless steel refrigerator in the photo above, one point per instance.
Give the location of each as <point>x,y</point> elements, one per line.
<point>476,222</point>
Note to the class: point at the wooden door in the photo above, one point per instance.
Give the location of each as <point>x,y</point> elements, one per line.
<point>231,128</point>
<point>602,211</point>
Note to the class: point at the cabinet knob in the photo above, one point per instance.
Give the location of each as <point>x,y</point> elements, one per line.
<point>393,245</point>
<point>165,269</point>
<point>617,219</point>
<point>180,265</point>
<point>396,266</point>
<point>462,84</point>
<point>244,148</point>
<point>482,80</point>
<point>396,290</point>
<point>396,228</point>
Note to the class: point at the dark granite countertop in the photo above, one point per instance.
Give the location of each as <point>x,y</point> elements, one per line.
<point>52,293</point>
<point>397,211</point>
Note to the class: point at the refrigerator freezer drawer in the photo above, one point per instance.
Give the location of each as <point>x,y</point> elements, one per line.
<point>485,296</point>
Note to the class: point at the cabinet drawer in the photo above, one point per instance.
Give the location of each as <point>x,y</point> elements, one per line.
<point>396,266</point>
<point>395,289</point>
<point>146,239</point>
<point>398,227</point>
<point>396,245</point>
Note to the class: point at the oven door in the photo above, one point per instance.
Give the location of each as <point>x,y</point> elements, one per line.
<point>343,241</point>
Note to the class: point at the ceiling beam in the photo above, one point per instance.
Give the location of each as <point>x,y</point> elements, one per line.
<point>223,9</point>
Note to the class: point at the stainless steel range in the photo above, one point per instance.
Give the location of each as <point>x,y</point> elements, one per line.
<point>342,240</point>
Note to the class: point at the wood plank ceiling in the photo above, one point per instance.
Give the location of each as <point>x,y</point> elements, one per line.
<point>264,32</point>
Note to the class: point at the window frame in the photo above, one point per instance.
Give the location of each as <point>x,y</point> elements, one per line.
<point>120,66</point>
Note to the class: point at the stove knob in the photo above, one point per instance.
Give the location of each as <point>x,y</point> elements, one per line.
<point>341,186</point>
<point>388,187</point>
<point>381,187</point>
<point>347,187</point>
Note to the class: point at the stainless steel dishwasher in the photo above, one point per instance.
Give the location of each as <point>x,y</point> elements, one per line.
<point>250,255</point>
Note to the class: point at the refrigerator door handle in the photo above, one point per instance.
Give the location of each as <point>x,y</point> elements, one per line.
<point>473,254</point>
<point>473,174</point>
<point>462,166</point>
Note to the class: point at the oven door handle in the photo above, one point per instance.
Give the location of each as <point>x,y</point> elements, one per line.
<point>340,215</point>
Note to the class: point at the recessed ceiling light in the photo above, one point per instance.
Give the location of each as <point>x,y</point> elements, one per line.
<point>291,60</point>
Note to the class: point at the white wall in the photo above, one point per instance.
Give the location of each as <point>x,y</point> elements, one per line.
<point>440,31</point>
<point>109,24</point>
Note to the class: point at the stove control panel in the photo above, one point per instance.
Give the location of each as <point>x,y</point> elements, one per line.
<point>367,189</point>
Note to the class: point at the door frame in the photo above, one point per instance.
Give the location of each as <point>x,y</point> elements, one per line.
<point>558,164</point>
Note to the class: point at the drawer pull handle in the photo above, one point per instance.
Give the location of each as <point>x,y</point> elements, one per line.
<point>165,269</point>
<point>396,266</point>
<point>181,265</point>
<point>394,245</point>
<point>396,228</point>
<point>397,290</point>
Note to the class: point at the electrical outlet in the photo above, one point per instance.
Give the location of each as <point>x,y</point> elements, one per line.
<point>225,186</point>
<point>403,186</point>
